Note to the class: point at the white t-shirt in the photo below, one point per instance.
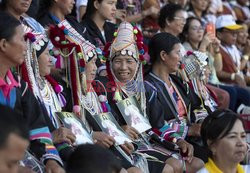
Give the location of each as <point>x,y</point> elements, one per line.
<point>80,3</point>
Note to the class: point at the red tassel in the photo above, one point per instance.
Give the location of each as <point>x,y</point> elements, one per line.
<point>73,80</point>
<point>190,84</point>
<point>111,79</point>
<point>141,58</point>
<point>82,63</point>
<point>57,88</point>
<point>51,80</point>
<point>189,53</point>
<point>145,47</point>
<point>109,74</point>
<point>106,50</point>
<point>25,75</point>
<point>30,36</point>
<point>78,49</point>
<point>57,32</point>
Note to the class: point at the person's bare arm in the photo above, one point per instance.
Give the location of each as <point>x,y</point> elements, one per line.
<point>246,54</point>
<point>138,17</point>
<point>223,75</point>
<point>218,62</point>
<point>135,18</point>
<point>233,76</point>
<point>215,51</point>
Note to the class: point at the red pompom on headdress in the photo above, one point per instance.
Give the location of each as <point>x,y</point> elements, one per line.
<point>58,37</point>
<point>30,36</point>
<point>189,53</point>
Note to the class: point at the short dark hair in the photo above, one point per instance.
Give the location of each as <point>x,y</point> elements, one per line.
<point>218,124</point>
<point>8,24</point>
<point>11,123</point>
<point>168,12</point>
<point>92,159</point>
<point>161,41</point>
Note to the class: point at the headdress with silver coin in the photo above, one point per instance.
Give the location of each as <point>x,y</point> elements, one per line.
<point>128,41</point>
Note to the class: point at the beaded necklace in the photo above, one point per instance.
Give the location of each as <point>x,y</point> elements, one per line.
<point>91,103</point>
<point>134,87</point>
<point>40,87</point>
<point>50,101</point>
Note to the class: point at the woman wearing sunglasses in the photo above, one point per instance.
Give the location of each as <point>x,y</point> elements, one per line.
<point>224,136</point>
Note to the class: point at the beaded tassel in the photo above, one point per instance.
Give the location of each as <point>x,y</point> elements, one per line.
<point>117,96</point>
<point>103,100</point>
<point>183,73</point>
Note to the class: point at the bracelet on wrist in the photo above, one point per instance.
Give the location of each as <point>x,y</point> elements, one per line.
<point>217,51</point>
<point>232,77</point>
<point>246,57</point>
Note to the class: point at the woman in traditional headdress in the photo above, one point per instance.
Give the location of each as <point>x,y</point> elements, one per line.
<point>125,72</point>
<point>17,95</point>
<point>79,58</point>
<point>36,71</point>
<point>194,37</point>
<point>36,46</point>
<point>57,13</point>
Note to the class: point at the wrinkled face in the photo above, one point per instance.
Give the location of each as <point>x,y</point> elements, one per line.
<point>65,6</point>
<point>195,31</point>
<point>173,59</point>
<point>12,154</point>
<point>90,69</point>
<point>19,7</point>
<point>242,36</point>
<point>106,9</point>
<point>178,23</point>
<point>45,63</point>
<point>200,4</point>
<point>124,67</point>
<point>233,146</point>
<point>228,37</point>
<point>15,48</point>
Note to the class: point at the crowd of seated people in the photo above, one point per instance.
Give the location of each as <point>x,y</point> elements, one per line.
<point>71,70</point>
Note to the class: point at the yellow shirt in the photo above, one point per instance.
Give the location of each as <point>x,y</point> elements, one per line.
<point>212,168</point>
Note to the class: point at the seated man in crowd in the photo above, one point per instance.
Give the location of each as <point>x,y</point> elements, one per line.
<point>233,60</point>
<point>14,140</point>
